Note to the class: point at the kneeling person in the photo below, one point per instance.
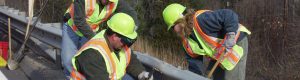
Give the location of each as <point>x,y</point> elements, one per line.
<point>107,55</point>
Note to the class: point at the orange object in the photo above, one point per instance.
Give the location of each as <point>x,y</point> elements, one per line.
<point>3,50</point>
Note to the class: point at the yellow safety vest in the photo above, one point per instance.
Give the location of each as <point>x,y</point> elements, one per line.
<point>93,15</point>
<point>116,68</point>
<point>212,46</point>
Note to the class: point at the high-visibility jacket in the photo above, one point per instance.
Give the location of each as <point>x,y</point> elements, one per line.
<point>116,67</point>
<point>212,46</point>
<point>93,15</point>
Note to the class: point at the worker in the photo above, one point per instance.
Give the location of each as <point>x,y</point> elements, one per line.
<point>206,35</point>
<point>82,21</point>
<point>107,55</point>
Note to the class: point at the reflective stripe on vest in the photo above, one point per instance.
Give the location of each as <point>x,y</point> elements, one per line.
<point>192,48</point>
<point>116,68</point>
<point>213,46</point>
<point>187,47</point>
<point>76,75</point>
<point>93,15</point>
<point>128,55</point>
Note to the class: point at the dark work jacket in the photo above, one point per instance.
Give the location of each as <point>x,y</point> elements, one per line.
<point>80,21</point>
<point>91,64</point>
<point>219,22</point>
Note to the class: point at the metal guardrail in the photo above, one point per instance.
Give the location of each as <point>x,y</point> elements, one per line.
<point>35,48</point>
<point>51,34</point>
<point>44,32</point>
<point>168,69</point>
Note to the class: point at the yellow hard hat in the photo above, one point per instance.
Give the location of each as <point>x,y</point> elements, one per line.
<point>122,24</point>
<point>172,13</point>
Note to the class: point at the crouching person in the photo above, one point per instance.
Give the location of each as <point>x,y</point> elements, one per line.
<point>107,55</point>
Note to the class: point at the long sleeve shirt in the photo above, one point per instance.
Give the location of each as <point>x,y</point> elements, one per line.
<point>92,65</point>
<point>219,22</point>
<point>80,15</point>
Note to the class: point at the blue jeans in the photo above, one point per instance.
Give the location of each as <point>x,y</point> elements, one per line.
<point>71,43</point>
<point>196,65</point>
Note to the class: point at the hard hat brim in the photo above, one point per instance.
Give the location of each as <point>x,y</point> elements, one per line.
<point>131,36</point>
<point>170,26</point>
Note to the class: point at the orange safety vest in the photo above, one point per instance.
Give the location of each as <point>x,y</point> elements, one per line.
<point>100,45</point>
<point>212,41</point>
<point>94,18</point>
<point>213,46</point>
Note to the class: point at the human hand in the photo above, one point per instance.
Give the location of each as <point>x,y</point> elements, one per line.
<point>229,41</point>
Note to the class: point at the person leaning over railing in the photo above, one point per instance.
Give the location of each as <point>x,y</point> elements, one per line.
<point>209,34</point>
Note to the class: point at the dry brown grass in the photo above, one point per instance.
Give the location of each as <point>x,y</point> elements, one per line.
<point>168,52</point>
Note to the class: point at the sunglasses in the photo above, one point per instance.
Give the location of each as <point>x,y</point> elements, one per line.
<point>127,41</point>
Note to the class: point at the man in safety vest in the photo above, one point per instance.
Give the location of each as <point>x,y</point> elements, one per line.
<point>210,34</point>
<point>107,55</point>
<point>82,21</point>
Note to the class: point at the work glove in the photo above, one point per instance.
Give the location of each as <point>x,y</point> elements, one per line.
<point>145,76</point>
<point>229,41</point>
